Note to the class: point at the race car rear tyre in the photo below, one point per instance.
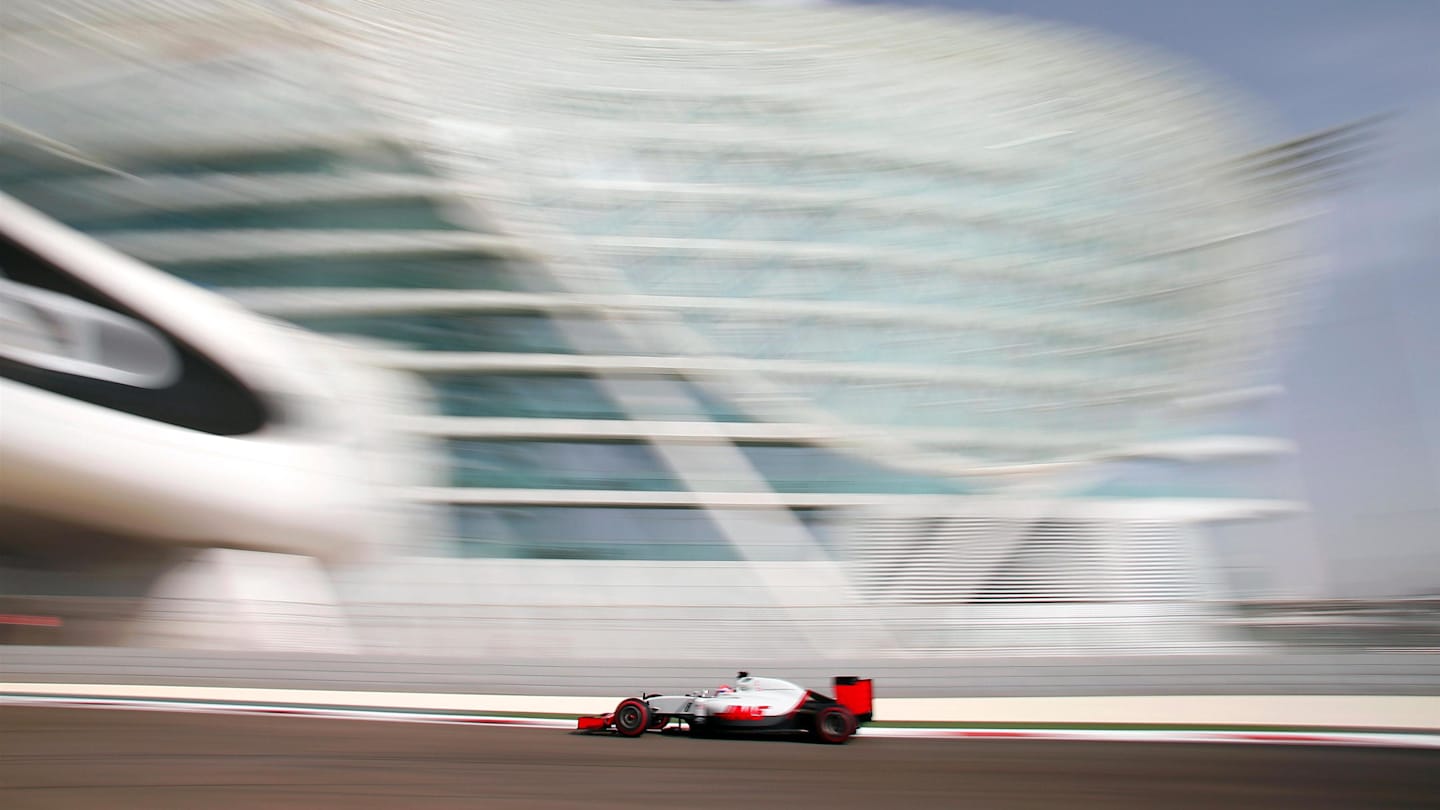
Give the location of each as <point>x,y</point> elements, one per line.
<point>833,725</point>
<point>632,717</point>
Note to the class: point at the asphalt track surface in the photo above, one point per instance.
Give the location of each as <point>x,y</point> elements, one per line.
<point>54,758</point>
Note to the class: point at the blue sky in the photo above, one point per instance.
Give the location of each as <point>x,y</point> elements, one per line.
<point>1362,368</point>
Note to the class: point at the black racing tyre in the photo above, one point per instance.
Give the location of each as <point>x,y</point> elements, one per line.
<point>631,717</point>
<point>833,725</point>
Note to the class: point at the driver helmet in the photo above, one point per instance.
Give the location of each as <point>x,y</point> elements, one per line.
<point>725,689</point>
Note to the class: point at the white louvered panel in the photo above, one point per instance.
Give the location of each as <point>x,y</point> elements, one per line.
<point>1031,571</point>
<point>882,552</point>
<point>956,560</point>
<point>1155,567</point>
<point>967,549</point>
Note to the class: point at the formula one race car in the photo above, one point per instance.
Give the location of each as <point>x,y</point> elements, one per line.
<point>751,705</point>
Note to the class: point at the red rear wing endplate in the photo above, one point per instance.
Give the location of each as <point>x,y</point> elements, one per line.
<point>857,695</point>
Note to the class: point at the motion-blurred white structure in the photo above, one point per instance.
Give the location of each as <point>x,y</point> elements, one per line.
<point>813,327</point>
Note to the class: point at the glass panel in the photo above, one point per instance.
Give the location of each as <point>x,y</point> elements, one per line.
<point>564,396</point>
<point>398,272</point>
<point>494,332</point>
<point>381,215</point>
<point>800,468</point>
<point>590,533</point>
<point>23,164</point>
<point>558,465</point>
<point>452,332</point>
<point>635,466</point>
<point>1245,478</point>
<point>528,396</point>
<point>825,525</point>
<point>373,157</point>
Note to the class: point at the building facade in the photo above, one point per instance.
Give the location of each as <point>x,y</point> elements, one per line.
<point>812,328</point>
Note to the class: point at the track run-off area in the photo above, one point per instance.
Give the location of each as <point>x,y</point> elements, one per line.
<point>102,755</point>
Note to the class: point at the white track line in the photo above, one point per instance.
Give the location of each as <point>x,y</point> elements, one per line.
<point>1295,737</point>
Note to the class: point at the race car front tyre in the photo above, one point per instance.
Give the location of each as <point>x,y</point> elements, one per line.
<point>833,725</point>
<point>632,717</point>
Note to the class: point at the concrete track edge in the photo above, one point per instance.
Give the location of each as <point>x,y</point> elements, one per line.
<point>1415,731</point>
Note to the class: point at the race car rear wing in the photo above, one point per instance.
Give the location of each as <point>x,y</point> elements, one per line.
<point>857,695</point>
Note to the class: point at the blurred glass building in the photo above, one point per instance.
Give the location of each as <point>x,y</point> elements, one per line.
<point>806,328</point>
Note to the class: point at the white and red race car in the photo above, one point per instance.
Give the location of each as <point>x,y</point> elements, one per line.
<point>751,705</point>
